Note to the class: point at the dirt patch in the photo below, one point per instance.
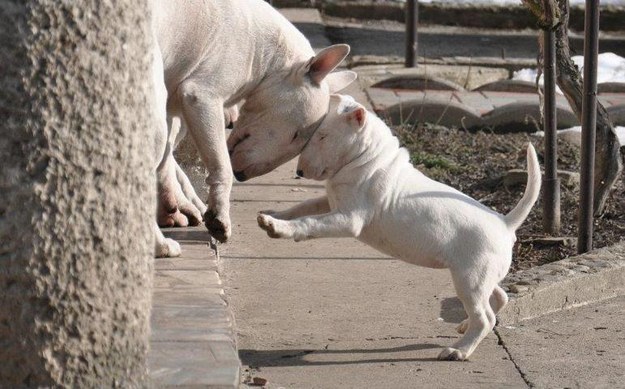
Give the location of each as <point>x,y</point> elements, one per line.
<point>475,163</point>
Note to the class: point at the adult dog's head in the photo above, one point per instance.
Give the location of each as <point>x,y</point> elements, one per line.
<point>283,112</point>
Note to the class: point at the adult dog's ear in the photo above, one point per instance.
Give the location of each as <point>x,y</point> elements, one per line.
<point>338,81</point>
<point>357,118</point>
<point>325,61</point>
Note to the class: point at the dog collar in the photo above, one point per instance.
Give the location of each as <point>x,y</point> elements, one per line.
<point>309,131</point>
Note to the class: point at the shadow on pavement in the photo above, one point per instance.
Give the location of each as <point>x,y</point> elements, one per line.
<point>185,235</point>
<point>260,358</point>
<point>452,310</point>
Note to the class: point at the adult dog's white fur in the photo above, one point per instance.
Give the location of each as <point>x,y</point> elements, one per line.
<point>213,54</point>
<point>375,195</point>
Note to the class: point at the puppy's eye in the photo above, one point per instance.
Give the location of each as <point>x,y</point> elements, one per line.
<point>322,137</point>
<point>295,136</point>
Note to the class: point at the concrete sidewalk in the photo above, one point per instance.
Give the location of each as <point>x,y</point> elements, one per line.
<point>334,313</point>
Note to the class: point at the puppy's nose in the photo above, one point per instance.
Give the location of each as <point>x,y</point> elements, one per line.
<point>300,173</point>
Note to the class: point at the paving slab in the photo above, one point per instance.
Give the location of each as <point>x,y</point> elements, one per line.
<point>578,348</point>
<point>192,341</point>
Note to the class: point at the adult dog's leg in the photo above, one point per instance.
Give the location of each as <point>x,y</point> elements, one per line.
<point>186,193</point>
<point>204,117</point>
<point>188,190</point>
<point>314,206</point>
<point>333,224</point>
<point>185,212</point>
<point>164,247</point>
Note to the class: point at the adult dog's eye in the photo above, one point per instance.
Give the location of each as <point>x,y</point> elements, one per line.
<point>322,137</point>
<point>295,136</point>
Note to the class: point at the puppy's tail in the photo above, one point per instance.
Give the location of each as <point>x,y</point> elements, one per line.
<point>516,217</point>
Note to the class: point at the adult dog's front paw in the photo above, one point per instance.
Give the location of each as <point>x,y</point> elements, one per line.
<point>451,354</point>
<point>218,225</point>
<point>275,228</point>
<point>167,248</point>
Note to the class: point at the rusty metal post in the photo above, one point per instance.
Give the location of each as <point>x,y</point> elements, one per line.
<point>589,126</point>
<point>551,182</point>
<point>412,18</point>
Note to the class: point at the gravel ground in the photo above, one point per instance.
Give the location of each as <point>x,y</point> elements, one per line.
<point>475,163</point>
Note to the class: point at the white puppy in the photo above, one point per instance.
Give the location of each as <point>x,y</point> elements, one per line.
<point>375,195</point>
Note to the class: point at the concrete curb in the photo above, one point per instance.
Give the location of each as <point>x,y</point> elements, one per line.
<point>193,340</point>
<point>466,15</point>
<point>569,283</point>
<point>502,106</point>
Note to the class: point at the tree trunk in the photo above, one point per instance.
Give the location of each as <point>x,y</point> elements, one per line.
<point>608,163</point>
<point>77,193</point>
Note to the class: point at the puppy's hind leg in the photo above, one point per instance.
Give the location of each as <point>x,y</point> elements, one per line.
<point>498,299</point>
<point>474,293</point>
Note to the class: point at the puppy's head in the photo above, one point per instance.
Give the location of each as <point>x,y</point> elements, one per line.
<point>280,115</point>
<point>336,142</point>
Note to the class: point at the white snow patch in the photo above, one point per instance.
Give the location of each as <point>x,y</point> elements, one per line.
<point>610,68</point>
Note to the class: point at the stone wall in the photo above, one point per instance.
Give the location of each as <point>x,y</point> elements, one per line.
<point>77,193</point>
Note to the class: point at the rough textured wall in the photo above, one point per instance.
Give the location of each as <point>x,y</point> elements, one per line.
<point>76,193</point>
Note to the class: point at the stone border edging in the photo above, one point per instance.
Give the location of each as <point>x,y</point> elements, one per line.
<point>569,283</point>
<point>193,340</point>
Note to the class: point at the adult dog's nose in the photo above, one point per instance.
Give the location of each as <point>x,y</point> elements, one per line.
<point>300,173</point>
<point>240,176</point>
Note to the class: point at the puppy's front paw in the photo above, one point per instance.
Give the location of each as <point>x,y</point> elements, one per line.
<point>451,354</point>
<point>269,212</point>
<point>275,228</point>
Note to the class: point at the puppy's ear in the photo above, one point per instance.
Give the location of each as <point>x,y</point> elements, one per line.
<point>325,61</point>
<point>357,118</point>
<point>340,80</point>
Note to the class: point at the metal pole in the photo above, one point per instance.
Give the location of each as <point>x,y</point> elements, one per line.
<point>412,18</point>
<point>589,126</point>
<point>551,182</point>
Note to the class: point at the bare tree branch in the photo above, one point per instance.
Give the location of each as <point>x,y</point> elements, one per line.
<point>555,14</point>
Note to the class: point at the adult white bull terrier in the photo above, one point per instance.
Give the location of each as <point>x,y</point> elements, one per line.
<point>375,195</point>
<point>216,53</point>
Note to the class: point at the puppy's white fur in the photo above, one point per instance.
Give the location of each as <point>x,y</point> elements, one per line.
<point>375,195</point>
